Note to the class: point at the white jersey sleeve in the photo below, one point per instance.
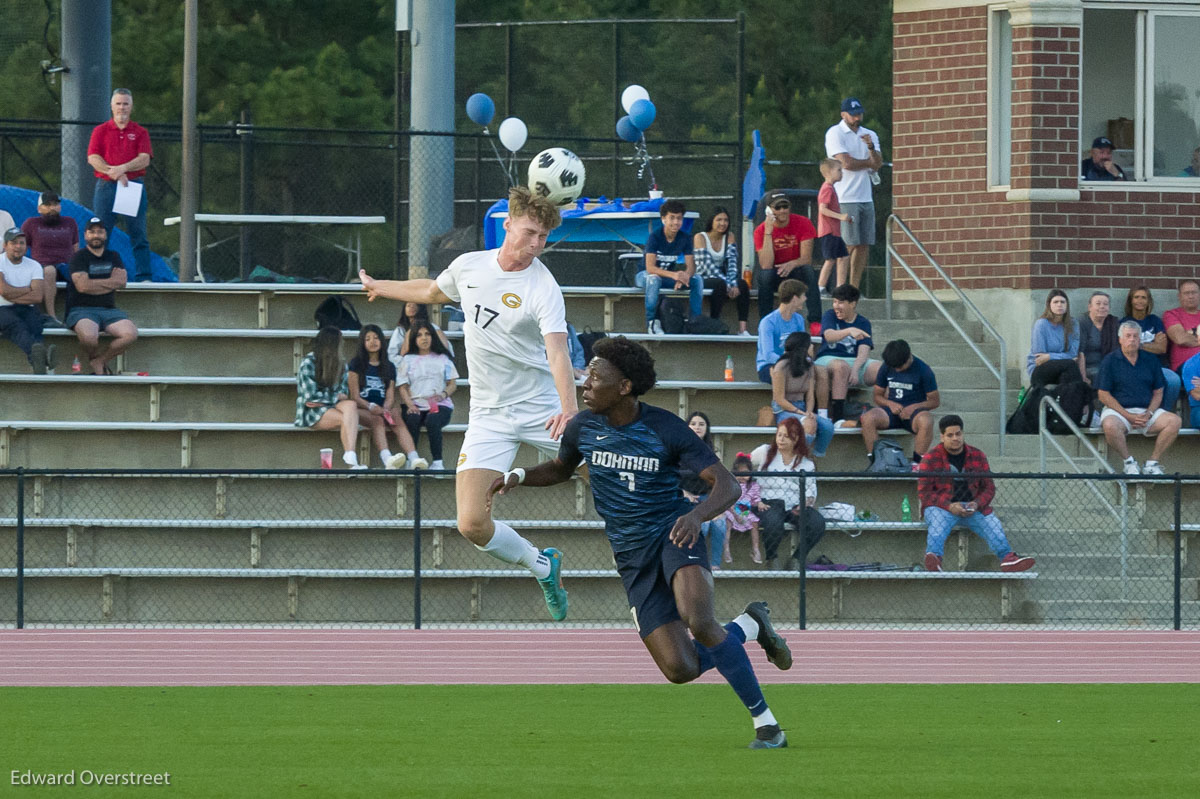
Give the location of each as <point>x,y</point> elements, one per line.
<point>447,281</point>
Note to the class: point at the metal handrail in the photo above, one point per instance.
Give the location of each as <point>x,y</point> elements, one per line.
<point>1122,515</point>
<point>1000,372</point>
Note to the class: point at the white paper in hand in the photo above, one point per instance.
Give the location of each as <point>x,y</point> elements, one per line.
<point>128,198</point>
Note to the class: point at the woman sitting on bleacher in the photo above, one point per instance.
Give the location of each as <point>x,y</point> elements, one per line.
<point>1054,351</point>
<point>373,387</point>
<point>717,264</point>
<point>427,378</point>
<point>793,393</point>
<point>787,453</point>
<point>398,344</point>
<point>323,393</point>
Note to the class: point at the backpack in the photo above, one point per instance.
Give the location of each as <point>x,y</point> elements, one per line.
<point>1024,419</point>
<point>337,312</point>
<point>671,315</point>
<point>588,339</point>
<point>1075,399</point>
<point>889,458</point>
<point>705,326</point>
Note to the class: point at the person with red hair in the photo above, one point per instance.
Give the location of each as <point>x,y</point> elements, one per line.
<point>782,495</point>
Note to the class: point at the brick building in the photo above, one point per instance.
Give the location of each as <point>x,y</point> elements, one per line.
<point>995,105</point>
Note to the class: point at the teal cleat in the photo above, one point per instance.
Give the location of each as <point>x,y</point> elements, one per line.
<point>769,737</point>
<point>556,595</point>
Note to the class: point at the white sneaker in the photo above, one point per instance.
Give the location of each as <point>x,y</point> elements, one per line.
<point>1131,467</point>
<point>437,466</point>
<point>396,461</point>
<point>654,328</point>
<point>359,467</point>
<point>419,463</point>
<point>1152,467</point>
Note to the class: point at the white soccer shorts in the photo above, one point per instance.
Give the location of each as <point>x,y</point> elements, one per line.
<point>494,434</point>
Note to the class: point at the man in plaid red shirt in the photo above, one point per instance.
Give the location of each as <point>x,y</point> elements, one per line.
<point>948,500</point>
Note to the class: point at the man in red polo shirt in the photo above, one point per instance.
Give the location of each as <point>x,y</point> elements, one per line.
<point>119,152</point>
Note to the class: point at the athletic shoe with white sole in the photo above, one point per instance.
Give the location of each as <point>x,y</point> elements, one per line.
<point>772,642</point>
<point>1131,467</point>
<point>556,595</point>
<point>769,736</point>
<point>397,461</point>
<point>933,563</point>
<point>1013,562</point>
<point>1152,467</point>
<point>418,463</point>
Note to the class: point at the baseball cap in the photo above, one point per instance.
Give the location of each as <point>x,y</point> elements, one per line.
<point>13,233</point>
<point>95,221</point>
<point>49,198</point>
<point>851,105</point>
<point>777,197</point>
<point>1102,141</point>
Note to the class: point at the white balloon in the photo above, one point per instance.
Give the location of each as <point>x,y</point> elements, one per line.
<point>513,134</point>
<point>631,95</point>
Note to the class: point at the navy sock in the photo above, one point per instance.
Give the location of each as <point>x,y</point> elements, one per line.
<point>705,654</point>
<point>731,661</point>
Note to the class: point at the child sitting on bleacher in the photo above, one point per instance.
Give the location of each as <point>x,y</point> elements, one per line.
<point>742,517</point>
<point>373,386</point>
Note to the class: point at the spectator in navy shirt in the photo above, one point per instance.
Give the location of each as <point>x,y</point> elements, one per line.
<point>669,260</point>
<point>1139,307</point>
<point>842,361</point>
<point>1130,385</point>
<point>905,393</point>
<point>1100,166</point>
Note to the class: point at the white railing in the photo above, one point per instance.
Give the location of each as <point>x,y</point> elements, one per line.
<point>1000,370</point>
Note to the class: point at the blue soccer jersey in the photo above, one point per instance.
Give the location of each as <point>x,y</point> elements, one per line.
<point>634,470</point>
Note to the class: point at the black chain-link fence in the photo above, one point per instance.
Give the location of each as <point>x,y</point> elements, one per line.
<point>376,548</point>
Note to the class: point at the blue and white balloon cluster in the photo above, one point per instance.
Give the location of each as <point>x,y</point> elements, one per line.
<point>512,131</point>
<point>639,116</point>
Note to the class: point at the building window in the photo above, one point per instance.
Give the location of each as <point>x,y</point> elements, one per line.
<point>1141,88</point>
<point>999,98</point>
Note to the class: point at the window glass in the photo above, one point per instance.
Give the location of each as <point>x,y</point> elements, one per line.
<point>1176,94</point>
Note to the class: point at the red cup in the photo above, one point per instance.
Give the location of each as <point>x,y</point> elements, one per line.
<point>326,458</point>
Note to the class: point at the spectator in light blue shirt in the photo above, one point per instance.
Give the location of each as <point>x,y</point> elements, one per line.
<point>1054,351</point>
<point>775,327</point>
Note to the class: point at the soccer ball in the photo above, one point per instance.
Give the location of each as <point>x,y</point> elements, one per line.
<point>556,174</point>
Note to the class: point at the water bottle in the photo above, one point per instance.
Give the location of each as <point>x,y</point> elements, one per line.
<point>76,366</point>
<point>1021,395</point>
<point>905,510</point>
<point>728,368</point>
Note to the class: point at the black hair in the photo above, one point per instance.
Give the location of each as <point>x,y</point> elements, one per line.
<point>707,437</point>
<point>720,209</point>
<point>630,359</point>
<point>435,341</point>
<point>672,207</point>
<point>362,359</point>
<point>422,313</point>
<point>795,352</point>
<point>896,353</point>
<point>950,420</point>
<point>846,293</point>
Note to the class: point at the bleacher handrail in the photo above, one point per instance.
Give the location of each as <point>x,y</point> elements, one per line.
<point>1000,372</point>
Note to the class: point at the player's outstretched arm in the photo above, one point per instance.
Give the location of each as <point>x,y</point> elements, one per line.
<point>421,290</point>
<point>544,474</point>
<point>723,492</point>
<point>564,383</point>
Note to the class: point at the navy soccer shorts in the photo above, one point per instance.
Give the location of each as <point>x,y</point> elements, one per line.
<point>647,573</point>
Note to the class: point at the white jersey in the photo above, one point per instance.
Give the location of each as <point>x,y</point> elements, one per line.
<point>508,315</point>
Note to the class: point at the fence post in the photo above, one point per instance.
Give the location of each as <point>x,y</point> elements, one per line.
<point>802,526</point>
<point>479,193</point>
<point>416,550</point>
<point>1178,554</point>
<point>21,547</point>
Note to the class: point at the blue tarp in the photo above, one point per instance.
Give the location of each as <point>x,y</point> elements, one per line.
<point>755,182</point>
<point>493,228</point>
<point>22,204</point>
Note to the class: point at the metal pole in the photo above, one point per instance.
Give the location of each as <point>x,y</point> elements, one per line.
<point>1178,554</point>
<point>739,168</point>
<point>21,547</point>
<point>189,194</point>
<point>399,265</point>
<point>616,85</point>
<point>508,69</point>
<point>479,192</point>
<point>416,551</point>
<point>86,35</point>
<point>245,132</point>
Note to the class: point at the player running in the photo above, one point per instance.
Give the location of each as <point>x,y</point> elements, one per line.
<point>522,384</point>
<point>634,452</point>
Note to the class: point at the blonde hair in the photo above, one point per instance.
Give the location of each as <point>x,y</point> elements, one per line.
<point>523,202</point>
<point>828,165</point>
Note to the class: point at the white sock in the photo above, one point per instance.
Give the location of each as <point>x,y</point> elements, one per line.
<point>764,719</point>
<point>412,455</point>
<point>508,545</point>
<point>823,413</point>
<point>385,455</point>
<point>749,626</point>
<point>349,458</point>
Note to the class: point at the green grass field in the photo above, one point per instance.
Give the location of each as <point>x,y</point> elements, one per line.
<point>610,741</point>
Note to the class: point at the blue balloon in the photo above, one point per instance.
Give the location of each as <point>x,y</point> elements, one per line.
<point>480,108</point>
<point>642,113</point>
<point>627,130</point>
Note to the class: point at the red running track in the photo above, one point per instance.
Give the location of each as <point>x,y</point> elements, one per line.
<point>416,657</point>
